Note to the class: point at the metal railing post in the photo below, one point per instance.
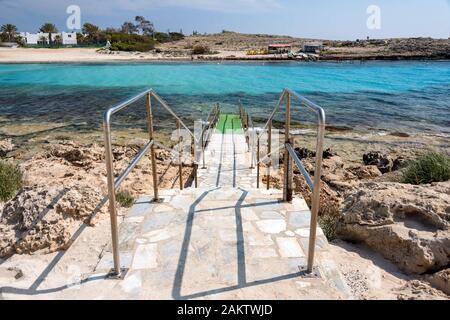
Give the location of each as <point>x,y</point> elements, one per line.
<point>152,148</point>
<point>252,149</point>
<point>247,120</point>
<point>269,152</point>
<point>257,160</point>
<point>288,166</point>
<point>315,202</point>
<point>290,157</point>
<point>180,149</point>
<point>194,163</point>
<point>115,272</point>
<point>203,146</point>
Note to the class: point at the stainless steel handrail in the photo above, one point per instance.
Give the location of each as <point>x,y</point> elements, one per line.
<point>290,157</point>
<point>247,123</point>
<point>114,184</point>
<point>300,166</point>
<point>133,164</point>
<point>208,129</point>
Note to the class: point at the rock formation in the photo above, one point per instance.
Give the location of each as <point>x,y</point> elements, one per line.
<point>6,146</point>
<point>409,225</point>
<point>43,218</point>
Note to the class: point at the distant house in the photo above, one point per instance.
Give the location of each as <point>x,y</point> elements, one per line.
<point>278,48</point>
<point>313,47</point>
<point>41,38</point>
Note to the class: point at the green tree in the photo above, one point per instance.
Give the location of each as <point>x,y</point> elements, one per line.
<point>49,28</point>
<point>20,40</point>
<point>129,28</point>
<point>144,26</point>
<point>9,31</point>
<point>42,40</point>
<point>92,32</point>
<point>58,39</point>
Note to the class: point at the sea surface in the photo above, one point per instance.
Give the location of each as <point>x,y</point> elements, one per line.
<point>412,96</point>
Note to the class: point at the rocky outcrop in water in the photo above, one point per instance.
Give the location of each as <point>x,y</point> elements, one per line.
<point>409,225</point>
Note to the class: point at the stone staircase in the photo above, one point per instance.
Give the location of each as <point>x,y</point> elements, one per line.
<point>225,239</point>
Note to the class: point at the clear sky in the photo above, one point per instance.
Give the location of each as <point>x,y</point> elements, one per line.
<point>326,19</point>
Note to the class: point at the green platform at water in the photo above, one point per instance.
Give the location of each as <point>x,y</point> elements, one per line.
<point>229,123</point>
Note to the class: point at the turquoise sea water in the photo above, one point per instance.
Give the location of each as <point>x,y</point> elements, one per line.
<point>408,96</point>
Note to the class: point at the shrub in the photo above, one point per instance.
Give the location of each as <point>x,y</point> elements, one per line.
<point>131,42</point>
<point>125,199</point>
<point>11,180</point>
<point>199,49</point>
<point>429,167</point>
<point>329,226</point>
<point>141,47</point>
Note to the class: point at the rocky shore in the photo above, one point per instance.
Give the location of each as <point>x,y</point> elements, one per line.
<point>233,46</point>
<point>65,186</point>
<point>364,203</point>
<point>374,219</point>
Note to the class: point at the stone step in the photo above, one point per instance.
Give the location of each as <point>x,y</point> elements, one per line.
<point>226,239</point>
<point>202,242</point>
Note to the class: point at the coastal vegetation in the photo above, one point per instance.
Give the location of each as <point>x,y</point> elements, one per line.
<point>139,35</point>
<point>49,28</point>
<point>199,49</point>
<point>125,198</point>
<point>8,32</point>
<point>11,180</point>
<point>329,224</point>
<point>428,168</point>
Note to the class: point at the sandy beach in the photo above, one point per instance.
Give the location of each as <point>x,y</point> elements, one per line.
<point>65,55</point>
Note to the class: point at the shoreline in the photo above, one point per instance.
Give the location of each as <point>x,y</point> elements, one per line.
<point>224,61</point>
<point>91,56</point>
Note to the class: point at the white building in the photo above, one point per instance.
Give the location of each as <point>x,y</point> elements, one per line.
<point>68,38</point>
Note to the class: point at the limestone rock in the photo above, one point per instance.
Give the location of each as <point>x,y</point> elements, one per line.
<point>441,280</point>
<point>6,146</point>
<point>409,225</point>
<point>80,156</point>
<point>367,172</point>
<point>43,218</point>
<point>418,290</point>
<point>329,200</point>
<point>383,162</point>
<point>304,153</point>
